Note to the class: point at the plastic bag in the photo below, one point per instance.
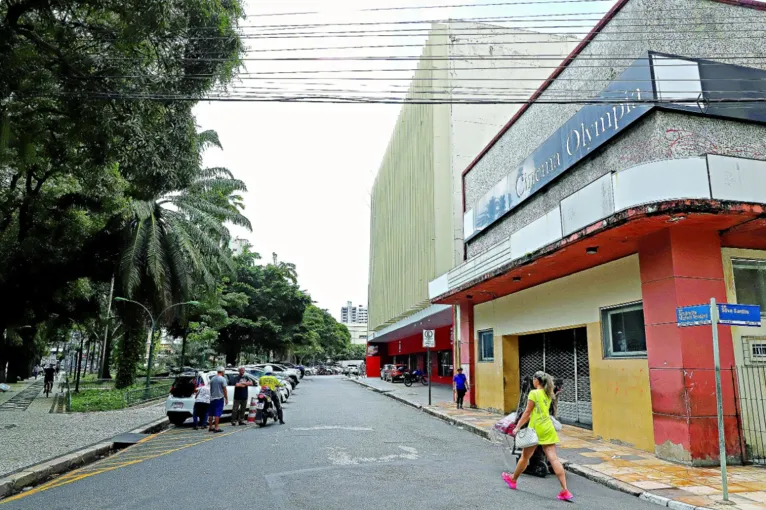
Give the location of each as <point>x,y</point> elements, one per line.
<point>506,425</point>
<point>4,387</point>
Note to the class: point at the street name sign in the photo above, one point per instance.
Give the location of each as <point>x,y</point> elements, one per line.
<point>739,315</point>
<point>728,314</point>
<point>713,315</point>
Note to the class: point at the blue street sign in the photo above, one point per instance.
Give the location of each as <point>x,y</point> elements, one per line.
<point>697,315</point>
<point>739,315</point>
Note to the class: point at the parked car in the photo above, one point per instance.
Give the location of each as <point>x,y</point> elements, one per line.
<point>385,370</point>
<point>291,372</point>
<point>285,391</point>
<point>351,369</point>
<point>180,403</point>
<point>396,373</point>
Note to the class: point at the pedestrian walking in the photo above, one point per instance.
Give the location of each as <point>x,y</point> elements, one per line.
<point>36,371</point>
<point>240,406</point>
<point>201,404</point>
<point>538,415</point>
<point>219,397</point>
<point>460,385</point>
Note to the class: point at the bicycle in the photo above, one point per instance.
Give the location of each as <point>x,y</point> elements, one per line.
<point>48,388</point>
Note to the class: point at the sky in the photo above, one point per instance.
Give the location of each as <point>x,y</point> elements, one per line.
<point>309,168</point>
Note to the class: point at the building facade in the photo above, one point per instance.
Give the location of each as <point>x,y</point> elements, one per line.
<point>358,332</point>
<point>586,224</point>
<point>350,314</point>
<point>416,214</point>
<point>239,245</point>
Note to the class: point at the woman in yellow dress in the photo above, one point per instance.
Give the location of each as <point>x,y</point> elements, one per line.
<point>537,414</point>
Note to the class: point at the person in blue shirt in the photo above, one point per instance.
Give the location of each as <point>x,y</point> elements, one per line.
<point>460,384</point>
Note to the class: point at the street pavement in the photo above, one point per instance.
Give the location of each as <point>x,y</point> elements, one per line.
<point>343,447</point>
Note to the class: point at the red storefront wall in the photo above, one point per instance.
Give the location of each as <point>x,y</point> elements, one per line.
<point>414,345</point>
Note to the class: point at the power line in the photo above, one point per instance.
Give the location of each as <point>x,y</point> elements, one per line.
<point>453,6</point>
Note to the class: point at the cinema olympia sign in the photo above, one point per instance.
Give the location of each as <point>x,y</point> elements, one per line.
<point>624,101</point>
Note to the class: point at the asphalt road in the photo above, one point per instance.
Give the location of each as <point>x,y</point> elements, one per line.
<point>343,447</point>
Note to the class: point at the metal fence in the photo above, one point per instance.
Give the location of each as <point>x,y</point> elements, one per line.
<point>141,395</point>
<point>751,393</point>
<point>159,388</point>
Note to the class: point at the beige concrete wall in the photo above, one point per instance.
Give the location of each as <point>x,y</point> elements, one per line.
<point>573,301</point>
<point>416,225</point>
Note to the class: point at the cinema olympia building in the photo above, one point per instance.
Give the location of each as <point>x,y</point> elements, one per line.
<point>587,225</point>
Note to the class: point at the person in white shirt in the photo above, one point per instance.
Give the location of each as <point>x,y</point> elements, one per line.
<point>201,404</point>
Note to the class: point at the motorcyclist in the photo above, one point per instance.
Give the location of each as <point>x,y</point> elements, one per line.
<point>272,383</point>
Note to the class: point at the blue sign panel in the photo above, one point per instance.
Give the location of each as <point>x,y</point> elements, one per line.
<point>739,315</point>
<point>620,104</point>
<point>705,87</point>
<point>697,315</point>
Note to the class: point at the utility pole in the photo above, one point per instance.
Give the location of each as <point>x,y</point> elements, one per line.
<point>102,369</point>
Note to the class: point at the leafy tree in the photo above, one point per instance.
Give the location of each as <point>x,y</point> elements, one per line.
<point>269,308</point>
<point>321,336</point>
<point>94,115</point>
<point>178,240</point>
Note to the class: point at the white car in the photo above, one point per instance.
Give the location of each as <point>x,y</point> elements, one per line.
<point>179,406</point>
<point>294,373</point>
<point>284,392</point>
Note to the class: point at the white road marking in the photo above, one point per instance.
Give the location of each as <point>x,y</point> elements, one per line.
<point>333,427</point>
<point>339,457</point>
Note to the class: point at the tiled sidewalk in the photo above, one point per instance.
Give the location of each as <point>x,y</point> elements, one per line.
<point>666,481</point>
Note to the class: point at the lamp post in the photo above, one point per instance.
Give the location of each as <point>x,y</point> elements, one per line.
<point>154,325</point>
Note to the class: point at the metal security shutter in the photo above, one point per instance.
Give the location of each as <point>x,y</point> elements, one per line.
<point>584,404</point>
<point>564,355</point>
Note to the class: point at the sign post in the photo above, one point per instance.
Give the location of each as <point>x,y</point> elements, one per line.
<point>729,315</point>
<point>429,341</point>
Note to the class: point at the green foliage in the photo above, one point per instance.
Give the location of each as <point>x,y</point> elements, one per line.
<point>321,337</point>
<point>97,400</point>
<point>264,306</point>
<point>356,351</point>
<point>84,143</point>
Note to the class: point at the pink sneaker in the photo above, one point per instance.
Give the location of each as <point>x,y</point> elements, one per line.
<point>566,496</point>
<point>509,480</point>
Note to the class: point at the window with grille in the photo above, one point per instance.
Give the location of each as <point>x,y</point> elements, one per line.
<point>750,282</point>
<point>623,331</point>
<point>486,346</point>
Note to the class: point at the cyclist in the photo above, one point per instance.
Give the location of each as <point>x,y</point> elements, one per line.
<point>269,381</point>
<point>49,373</point>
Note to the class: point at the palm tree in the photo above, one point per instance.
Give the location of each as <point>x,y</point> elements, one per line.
<point>179,239</point>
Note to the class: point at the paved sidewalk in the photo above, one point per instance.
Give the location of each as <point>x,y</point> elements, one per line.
<point>621,467</point>
<point>415,393</point>
<point>34,434</point>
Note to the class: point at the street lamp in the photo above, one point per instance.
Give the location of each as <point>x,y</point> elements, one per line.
<point>154,325</point>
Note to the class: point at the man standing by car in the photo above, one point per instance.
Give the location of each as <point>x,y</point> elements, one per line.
<point>269,381</point>
<point>218,398</point>
<point>239,408</point>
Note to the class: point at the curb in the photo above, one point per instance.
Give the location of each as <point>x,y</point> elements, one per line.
<point>577,469</point>
<point>37,473</point>
<point>436,414</point>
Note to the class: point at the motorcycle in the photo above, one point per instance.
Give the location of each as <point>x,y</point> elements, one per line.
<point>264,408</point>
<point>415,376</point>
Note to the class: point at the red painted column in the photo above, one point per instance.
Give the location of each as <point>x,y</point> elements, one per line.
<point>682,267</point>
<point>467,357</point>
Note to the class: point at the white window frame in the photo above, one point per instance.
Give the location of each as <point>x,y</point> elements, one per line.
<point>481,357</point>
<point>734,261</point>
<point>606,331</point>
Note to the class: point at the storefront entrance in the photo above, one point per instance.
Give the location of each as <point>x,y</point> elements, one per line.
<point>564,355</point>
